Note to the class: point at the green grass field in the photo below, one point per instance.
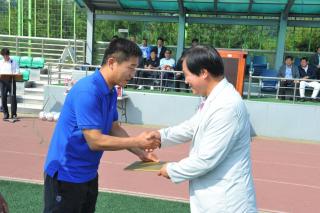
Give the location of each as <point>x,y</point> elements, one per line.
<point>28,198</point>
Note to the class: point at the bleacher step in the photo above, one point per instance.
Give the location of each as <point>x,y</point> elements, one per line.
<point>28,108</point>
<point>34,91</point>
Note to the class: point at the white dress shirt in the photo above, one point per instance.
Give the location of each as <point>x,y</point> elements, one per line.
<point>9,67</point>
<point>170,62</point>
<point>218,167</point>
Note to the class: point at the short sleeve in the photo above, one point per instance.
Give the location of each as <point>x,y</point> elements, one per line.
<point>88,110</point>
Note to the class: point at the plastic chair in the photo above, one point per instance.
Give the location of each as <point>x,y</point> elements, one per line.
<point>16,58</point>
<point>25,61</point>
<point>25,75</point>
<point>259,59</point>
<point>248,60</point>
<point>37,62</point>
<point>259,68</point>
<point>269,85</point>
<point>297,61</point>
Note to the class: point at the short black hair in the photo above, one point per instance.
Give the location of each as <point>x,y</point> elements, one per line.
<point>114,37</point>
<point>121,49</point>
<point>287,57</point>
<point>168,50</point>
<point>5,51</point>
<point>195,40</point>
<point>160,38</point>
<point>304,58</point>
<point>204,57</point>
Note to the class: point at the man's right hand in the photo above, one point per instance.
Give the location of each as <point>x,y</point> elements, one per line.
<point>148,140</point>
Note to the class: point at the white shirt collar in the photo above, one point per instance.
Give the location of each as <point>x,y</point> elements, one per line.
<point>217,89</point>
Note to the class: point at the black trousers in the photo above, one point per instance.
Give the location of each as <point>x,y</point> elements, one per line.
<point>318,73</point>
<point>286,89</point>
<point>178,83</point>
<point>67,197</point>
<point>5,89</point>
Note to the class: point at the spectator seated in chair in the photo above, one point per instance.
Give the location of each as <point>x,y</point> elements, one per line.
<point>308,71</point>
<point>152,64</point>
<point>291,72</point>
<point>167,63</point>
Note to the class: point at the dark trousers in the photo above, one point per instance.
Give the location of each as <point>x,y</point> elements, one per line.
<point>318,73</point>
<point>5,89</point>
<point>67,197</point>
<point>286,89</point>
<point>177,83</point>
<point>150,76</point>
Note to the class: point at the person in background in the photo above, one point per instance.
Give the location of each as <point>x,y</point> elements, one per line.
<point>160,48</point>
<point>152,63</point>
<point>133,39</point>
<point>194,42</point>
<point>168,64</point>
<point>8,66</point>
<point>315,61</point>
<point>146,50</point>
<point>289,71</point>
<point>306,72</point>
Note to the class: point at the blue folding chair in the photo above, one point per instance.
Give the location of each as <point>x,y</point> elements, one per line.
<point>269,85</point>
<point>259,59</point>
<point>297,61</point>
<point>259,64</point>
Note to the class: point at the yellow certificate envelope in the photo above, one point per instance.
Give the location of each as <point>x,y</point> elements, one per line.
<point>145,166</point>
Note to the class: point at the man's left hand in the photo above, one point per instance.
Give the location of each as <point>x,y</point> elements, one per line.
<point>148,156</point>
<point>163,172</point>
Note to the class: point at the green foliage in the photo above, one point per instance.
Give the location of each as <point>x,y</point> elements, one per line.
<point>221,36</point>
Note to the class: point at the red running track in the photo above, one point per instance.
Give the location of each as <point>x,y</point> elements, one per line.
<point>286,174</point>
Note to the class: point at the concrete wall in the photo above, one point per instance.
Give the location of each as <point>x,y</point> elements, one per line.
<point>160,109</point>
<point>54,97</point>
<point>78,74</point>
<point>292,121</point>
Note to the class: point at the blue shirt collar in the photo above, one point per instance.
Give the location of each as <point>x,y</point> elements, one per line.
<point>102,83</point>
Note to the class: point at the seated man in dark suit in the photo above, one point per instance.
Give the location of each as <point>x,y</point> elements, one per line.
<point>307,71</point>
<point>160,48</point>
<point>315,61</point>
<point>149,77</point>
<point>290,72</point>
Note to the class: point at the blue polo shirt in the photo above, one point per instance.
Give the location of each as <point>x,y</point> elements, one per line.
<point>89,105</point>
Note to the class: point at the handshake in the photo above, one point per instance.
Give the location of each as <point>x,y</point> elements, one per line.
<point>149,140</point>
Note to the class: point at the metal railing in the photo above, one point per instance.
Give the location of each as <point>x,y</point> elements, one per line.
<point>155,79</point>
<point>48,48</point>
<point>258,90</point>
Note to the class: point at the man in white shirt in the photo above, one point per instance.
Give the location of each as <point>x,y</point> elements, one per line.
<point>306,72</point>
<point>8,66</point>
<point>218,167</point>
<point>167,63</point>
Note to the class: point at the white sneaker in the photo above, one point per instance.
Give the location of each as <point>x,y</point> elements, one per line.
<point>140,87</point>
<point>151,88</point>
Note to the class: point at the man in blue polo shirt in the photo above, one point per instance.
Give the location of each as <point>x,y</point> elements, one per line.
<point>87,126</point>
